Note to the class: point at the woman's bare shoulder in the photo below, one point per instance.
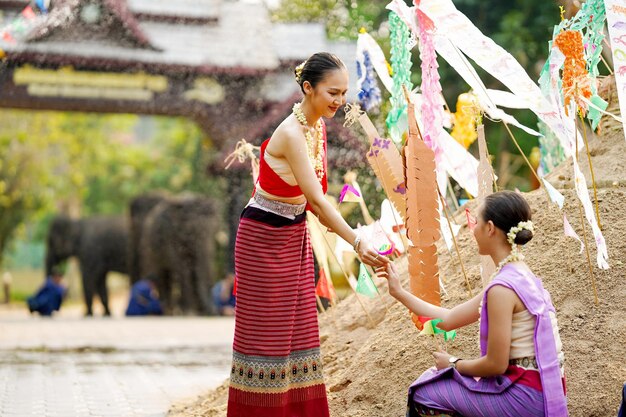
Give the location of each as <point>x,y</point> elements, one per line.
<point>285,134</point>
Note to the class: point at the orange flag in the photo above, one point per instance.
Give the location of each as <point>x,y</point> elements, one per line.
<point>324,287</point>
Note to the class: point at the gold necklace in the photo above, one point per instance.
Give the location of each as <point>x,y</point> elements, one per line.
<point>317,160</point>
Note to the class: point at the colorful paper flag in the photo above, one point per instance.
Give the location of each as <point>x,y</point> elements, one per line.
<point>349,194</point>
<point>364,284</point>
<point>324,287</point>
<point>430,327</point>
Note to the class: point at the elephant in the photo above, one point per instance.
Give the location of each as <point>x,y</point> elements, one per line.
<point>101,245</point>
<point>140,207</point>
<point>177,247</point>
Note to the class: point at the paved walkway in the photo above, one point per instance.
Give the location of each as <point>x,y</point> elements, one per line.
<point>108,367</point>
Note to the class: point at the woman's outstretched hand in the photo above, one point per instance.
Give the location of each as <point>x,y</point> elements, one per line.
<point>368,255</point>
<point>390,273</point>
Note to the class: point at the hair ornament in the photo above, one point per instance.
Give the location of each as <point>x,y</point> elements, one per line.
<point>528,225</point>
<point>299,69</point>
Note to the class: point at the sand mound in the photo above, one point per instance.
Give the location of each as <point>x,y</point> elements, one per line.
<point>368,368</point>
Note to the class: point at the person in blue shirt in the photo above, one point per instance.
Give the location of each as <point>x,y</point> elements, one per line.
<point>223,297</point>
<point>49,297</point>
<point>144,298</point>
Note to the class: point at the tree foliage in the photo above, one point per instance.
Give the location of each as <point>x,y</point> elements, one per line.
<point>86,164</point>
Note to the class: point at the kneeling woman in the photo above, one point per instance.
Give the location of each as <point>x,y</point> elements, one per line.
<point>520,370</point>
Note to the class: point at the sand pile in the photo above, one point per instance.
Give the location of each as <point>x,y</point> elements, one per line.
<point>368,368</point>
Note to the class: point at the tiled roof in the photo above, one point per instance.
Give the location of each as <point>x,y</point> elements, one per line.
<point>182,8</point>
<point>242,39</point>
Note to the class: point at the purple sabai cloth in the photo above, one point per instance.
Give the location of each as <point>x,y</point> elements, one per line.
<point>537,300</point>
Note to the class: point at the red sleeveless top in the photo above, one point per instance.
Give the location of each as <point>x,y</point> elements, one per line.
<point>272,183</point>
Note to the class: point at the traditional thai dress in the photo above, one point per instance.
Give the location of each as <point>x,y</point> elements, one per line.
<point>534,383</point>
<point>277,366</point>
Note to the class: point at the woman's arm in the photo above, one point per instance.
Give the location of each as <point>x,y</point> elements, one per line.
<point>295,152</point>
<point>500,304</point>
<point>459,316</point>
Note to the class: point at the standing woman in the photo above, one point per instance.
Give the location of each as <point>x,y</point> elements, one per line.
<point>277,366</point>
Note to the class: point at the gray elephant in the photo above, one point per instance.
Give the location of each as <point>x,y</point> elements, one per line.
<point>140,208</point>
<point>99,243</point>
<point>178,246</point>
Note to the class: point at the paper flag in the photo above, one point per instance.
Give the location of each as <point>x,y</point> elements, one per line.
<point>419,320</point>
<point>364,284</point>
<point>349,194</point>
<point>430,327</point>
<point>569,231</point>
<point>554,194</point>
<point>324,287</point>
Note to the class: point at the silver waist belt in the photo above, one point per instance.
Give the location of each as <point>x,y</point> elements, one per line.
<point>279,207</point>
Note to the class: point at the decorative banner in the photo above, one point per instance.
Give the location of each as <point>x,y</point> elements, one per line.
<point>576,80</point>
<point>458,162</point>
<point>486,179</point>
<point>401,65</point>
<point>583,195</point>
<point>365,43</point>
<point>589,22</point>
<point>551,150</point>
<point>460,31</point>
<point>616,21</point>
<point>432,102</point>
<point>422,215</point>
<point>554,194</point>
<point>364,284</point>
<point>569,231</point>
<point>369,93</point>
<point>385,160</point>
<point>448,51</point>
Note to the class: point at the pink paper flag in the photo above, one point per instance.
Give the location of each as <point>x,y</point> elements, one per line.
<point>569,231</point>
<point>349,194</point>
